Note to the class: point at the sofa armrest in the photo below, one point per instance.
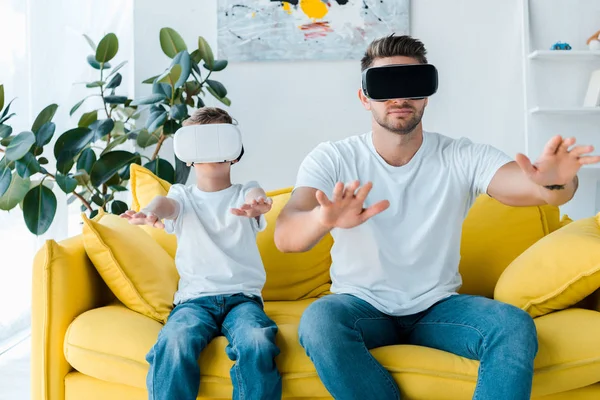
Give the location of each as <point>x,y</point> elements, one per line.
<point>65,284</point>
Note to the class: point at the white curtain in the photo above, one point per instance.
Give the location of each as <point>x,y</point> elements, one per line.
<point>43,55</point>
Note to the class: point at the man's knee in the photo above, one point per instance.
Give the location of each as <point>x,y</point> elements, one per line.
<point>322,322</point>
<point>516,328</point>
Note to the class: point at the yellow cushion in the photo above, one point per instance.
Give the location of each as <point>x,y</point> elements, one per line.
<point>494,235</point>
<point>556,272</point>
<point>136,269</point>
<point>110,344</point>
<point>291,276</point>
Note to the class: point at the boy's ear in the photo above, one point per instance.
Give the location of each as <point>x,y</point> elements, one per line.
<point>189,164</point>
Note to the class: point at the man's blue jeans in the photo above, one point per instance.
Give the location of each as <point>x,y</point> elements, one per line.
<point>338,330</point>
<point>174,371</point>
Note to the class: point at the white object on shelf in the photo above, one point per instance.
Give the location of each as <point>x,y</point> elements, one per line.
<point>592,97</point>
<point>566,111</point>
<point>564,54</point>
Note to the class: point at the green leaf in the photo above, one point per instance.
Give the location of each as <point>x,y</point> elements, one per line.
<point>171,76</point>
<point>68,145</point>
<point>107,48</point>
<point>3,117</point>
<point>87,119</point>
<point>118,207</point>
<point>76,106</point>
<point>182,59</point>
<point>101,128</point>
<point>171,42</point>
<point>91,59</point>
<point>5,131</point>
<point>217,87</point>
<point>44,116</point>
<point>93,214</point>
<point>3,120</point>
<point>86,160</point>
<point>182,171</point>
<point>90,42</point>
<point>20,145</point>
<point>27,166</point>
<point>225,101</point>
<point>114,143</point>
<point>94,84</point>
<point>110,163</point>
<point>66,183</point>
<point>44,135</point>
<point>114,180</point>
<point>113,99</point>
<point>151,99</point>
<point>162,88</point>
<point>196,57</point>
<point>16,192</point>
<point>39,208</point>
<point>43,160</point>
<point>5,176</point>
<point>1,97</point>
<point>82,177</point>
<point>118,67</point>
<point>151,80</point>
<point>218,65</point>
<point>170,127</point>
<point>146,139</point>
<point>205,51</point>
<point>6,141</point>
<point>118,188</point>
<point>162,168</point>
<point>115,81</point>
<point>155,121</point>
<point>178,112</point>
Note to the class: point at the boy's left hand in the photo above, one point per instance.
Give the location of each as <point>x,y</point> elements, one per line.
<point>253,209</point>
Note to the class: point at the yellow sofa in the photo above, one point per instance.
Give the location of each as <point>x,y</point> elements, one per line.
<point>86,345</point>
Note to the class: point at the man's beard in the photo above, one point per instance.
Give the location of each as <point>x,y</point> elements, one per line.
<point>400,126</point>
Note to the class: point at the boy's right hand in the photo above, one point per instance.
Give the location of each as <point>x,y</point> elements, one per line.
<point>143,218</point>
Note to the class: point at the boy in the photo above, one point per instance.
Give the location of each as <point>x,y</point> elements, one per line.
<point>221,278</point>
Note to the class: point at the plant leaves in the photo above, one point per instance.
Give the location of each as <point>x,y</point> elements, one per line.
<point>45,134</point>
<point>101,128</point>
<point>196,58</point>
<point>66,183</point>
<point>107,48</point>
<point>146,139</point>
<point>205,52</point>
<point>5,131</point>
<point>118,67</point>
<point>82,177</point>
<point>86,160</point>
<point>151,99</point>
<point>115,81</point>
<point>27,166</point>
<point>151,80</point>
<point>87,119</point>
<point>1,97</point>
<point>114,180</point>
<point>39,208</point>
<point>90,42</point>
<point>119,188</point>
<point>162,88</point>
<point>113,99</point>
<point>162,168</point>
<point>155,121</point>
<point>178,112</point>
<point>16,192</point>
<point>44,116</point>
<point>5,176</point>
<point>171,76</point>
<point>91,59</point>
<point>182,171</point>
<point>217,87</point>
<point>118,207</point>
<point>183,60</point>
<point>114,143</point>
<point>79,103</point>
<point>171,42</point>
<point>3,117</point>
<point>110,163</point>
<point>43,160</point>
<point>68,145</point>
<point>218,65</point>
<point>94,84</point>
<point>20,145</point>
<point>170,127</point>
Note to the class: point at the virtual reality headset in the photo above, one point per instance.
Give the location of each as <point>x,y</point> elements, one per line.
<point>208,143</point>
<point>406,81</point>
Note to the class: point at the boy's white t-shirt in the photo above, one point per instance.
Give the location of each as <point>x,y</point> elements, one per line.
<point>216,250</point>
<point>405,259</point>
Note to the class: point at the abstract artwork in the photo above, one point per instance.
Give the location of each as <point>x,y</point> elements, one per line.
<point>262,30</point>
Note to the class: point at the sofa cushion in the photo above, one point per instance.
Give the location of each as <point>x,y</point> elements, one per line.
<point>110,344</point>
<point>135,268</point>
<point>494,235</point>
<point>289,276</point>
<point>558,271</point>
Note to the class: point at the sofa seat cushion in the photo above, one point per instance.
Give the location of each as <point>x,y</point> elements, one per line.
<point>110,344</point>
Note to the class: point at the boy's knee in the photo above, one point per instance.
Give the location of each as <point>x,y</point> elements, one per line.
<point>259,341</point>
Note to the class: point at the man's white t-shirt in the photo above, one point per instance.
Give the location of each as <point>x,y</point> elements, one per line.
<point>216,250</point>
<point>405,259</point>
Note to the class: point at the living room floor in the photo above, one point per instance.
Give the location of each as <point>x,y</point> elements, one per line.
<point>14,371</point>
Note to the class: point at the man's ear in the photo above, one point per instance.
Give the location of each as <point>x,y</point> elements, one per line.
<point>364,100</point>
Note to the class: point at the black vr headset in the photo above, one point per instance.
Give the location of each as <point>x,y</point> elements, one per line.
<point>406,81</point>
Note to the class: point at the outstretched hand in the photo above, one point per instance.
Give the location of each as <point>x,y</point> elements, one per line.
<point>254,209</point>
<point>345,209</point>
<point>143,218</point>
<point>558,164</point>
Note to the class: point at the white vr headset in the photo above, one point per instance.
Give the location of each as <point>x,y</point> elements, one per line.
<point>208,143</point>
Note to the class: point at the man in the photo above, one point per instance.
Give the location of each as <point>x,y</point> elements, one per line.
<point>397,243</point>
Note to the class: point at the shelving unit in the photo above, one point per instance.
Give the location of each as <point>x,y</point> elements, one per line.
<point>565,111</point>
<point>564,55</point>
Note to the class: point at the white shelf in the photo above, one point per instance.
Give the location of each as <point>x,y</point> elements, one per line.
<point>564,55</point>
<point>566,111</point>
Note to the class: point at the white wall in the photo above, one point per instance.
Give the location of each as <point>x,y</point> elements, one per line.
<point>287,108</point>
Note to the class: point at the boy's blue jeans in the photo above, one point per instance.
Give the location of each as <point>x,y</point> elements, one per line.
<point>174,371</point>
<point>337,332</point>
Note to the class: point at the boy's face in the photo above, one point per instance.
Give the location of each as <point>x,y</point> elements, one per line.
<point>213,170</point>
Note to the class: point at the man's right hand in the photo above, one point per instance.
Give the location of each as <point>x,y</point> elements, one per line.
<point>143,218</point>
<point>345,209</point>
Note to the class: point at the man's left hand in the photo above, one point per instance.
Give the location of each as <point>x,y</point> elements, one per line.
<point>253,209</point>
<point>559,162</point>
